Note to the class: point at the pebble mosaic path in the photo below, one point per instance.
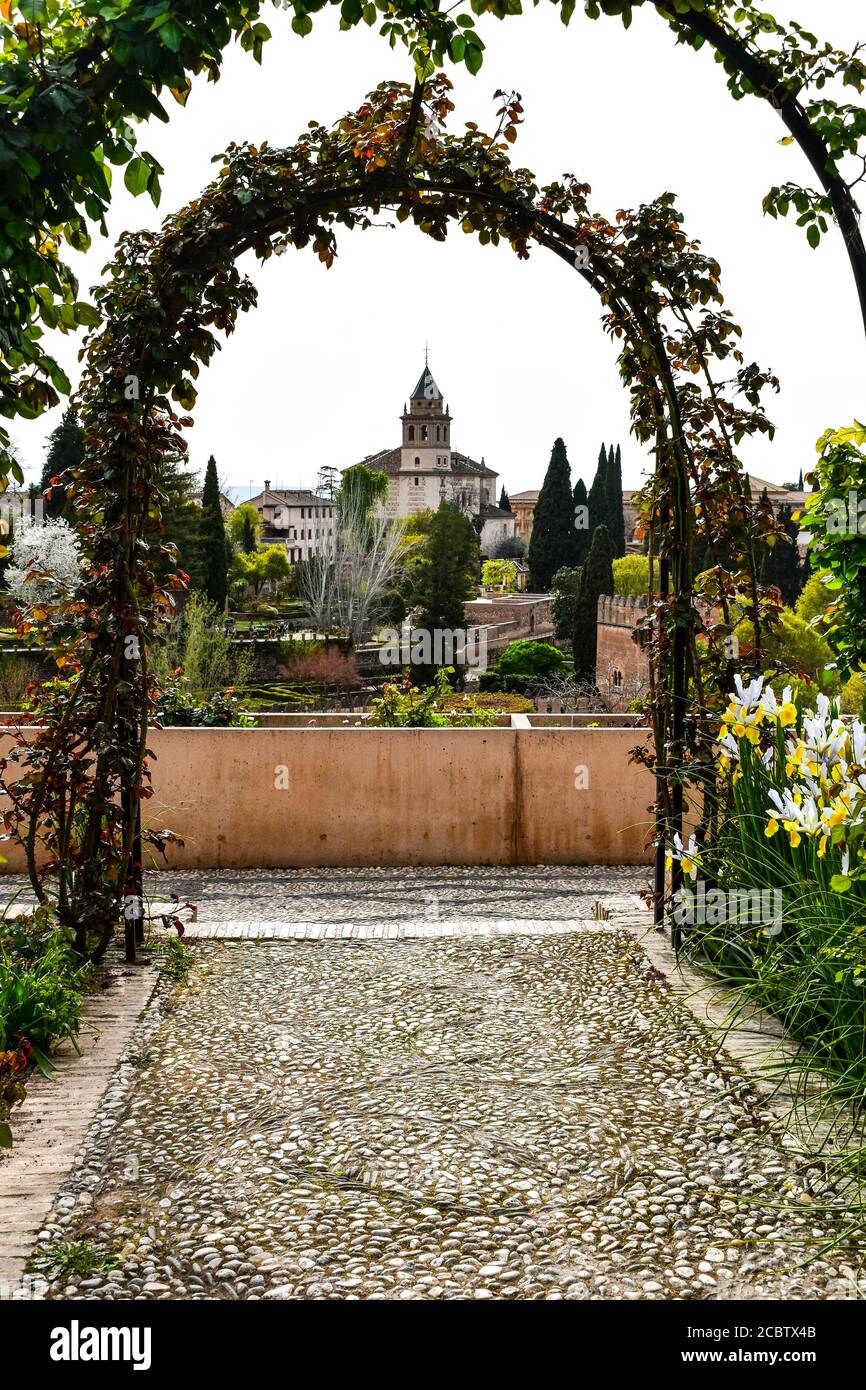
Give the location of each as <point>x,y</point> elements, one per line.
<point>504,1101</point>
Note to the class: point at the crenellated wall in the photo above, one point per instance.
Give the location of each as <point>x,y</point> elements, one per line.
<point>620,661</point>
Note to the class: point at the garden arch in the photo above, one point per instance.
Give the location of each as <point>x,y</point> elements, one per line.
<point>169,291</point>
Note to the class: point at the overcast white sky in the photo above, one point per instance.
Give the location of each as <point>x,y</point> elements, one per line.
<point>318,373</point>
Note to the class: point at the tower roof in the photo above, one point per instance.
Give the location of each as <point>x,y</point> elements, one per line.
<point>426,390</point>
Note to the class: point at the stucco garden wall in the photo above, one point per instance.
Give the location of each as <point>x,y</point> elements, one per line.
<point>284,797</point>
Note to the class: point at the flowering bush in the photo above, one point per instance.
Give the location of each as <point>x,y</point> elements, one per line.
<point>797,783</point>
<point>44,563</point>
<point>177,705</point>
<point>803,774</point>
<point>407,706</point>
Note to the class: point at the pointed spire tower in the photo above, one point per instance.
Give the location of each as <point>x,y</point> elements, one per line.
<point>426,430</point>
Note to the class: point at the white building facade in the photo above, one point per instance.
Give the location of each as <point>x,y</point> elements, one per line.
<point>426,470</point>
<point>302,520</point>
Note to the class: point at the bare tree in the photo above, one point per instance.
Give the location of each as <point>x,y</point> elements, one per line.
<point>343,584</point>
<point>609,693</point>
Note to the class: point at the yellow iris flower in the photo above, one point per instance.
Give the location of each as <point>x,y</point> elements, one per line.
<point>793,830</point>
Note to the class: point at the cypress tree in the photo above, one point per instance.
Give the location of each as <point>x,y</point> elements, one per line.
<point>598,514</point>
<point>781,562</point>
<point>65,451</point>
<point>596,578</point>
<point>447,577</point>
<point>563,592</point>
<point>248,535</point>
<point>582,530</point>
<point>182,523</point>
<point>616,515</point>
<point>214,537</point>
<point>553,541</point>
<point>504,500</point>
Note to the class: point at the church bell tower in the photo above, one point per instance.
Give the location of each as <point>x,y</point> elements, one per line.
<point>426,429</point>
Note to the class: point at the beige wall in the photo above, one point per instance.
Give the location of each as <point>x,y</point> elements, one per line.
<point>528,613</point>
<point>396,796</point>
<point>617,651</point>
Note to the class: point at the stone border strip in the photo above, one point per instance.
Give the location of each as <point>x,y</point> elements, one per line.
<point>756,1042</point>
<point>50,1128</point>
<point>421,929</point>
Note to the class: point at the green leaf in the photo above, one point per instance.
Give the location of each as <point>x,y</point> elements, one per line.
<point>302,24</point>
<point>473,58</point>
<point>813,236</point>
<point>30,165</point>
<point>171,35</point>
<point>47,1067</point>
<point>840,883</point>
<point>136,175</point>
<point>5,1136</point>
<point>88,314</point>
<point>60,379</point>
<point>34,11</point>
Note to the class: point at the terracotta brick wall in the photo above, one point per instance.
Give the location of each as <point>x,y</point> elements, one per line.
<point>617,620</point>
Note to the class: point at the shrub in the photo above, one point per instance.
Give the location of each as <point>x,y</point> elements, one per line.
<point>325,664</point>
<point>530,661</point>
<point>40,993</point>
<point>178,707</point>
<point>499,574</point>
<point>405,706</point>
<point>498,701</point>
<point>16,675</point>
<point>631,576</point>
<point>814,601</point>
<point>837,546</point>
<point>797,647</point>
<point>274,695</point>
<point>854,696</point>
<point>199,646</point>
<point>44,563</point>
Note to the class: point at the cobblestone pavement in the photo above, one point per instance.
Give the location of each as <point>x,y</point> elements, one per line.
<point>385,895</point>
<point>514,1116</point>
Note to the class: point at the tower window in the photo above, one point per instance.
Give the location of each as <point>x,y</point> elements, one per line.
<point>411,433</point>
<point>417,481</point>
<point>423,431</point>
<point>417,462</point>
